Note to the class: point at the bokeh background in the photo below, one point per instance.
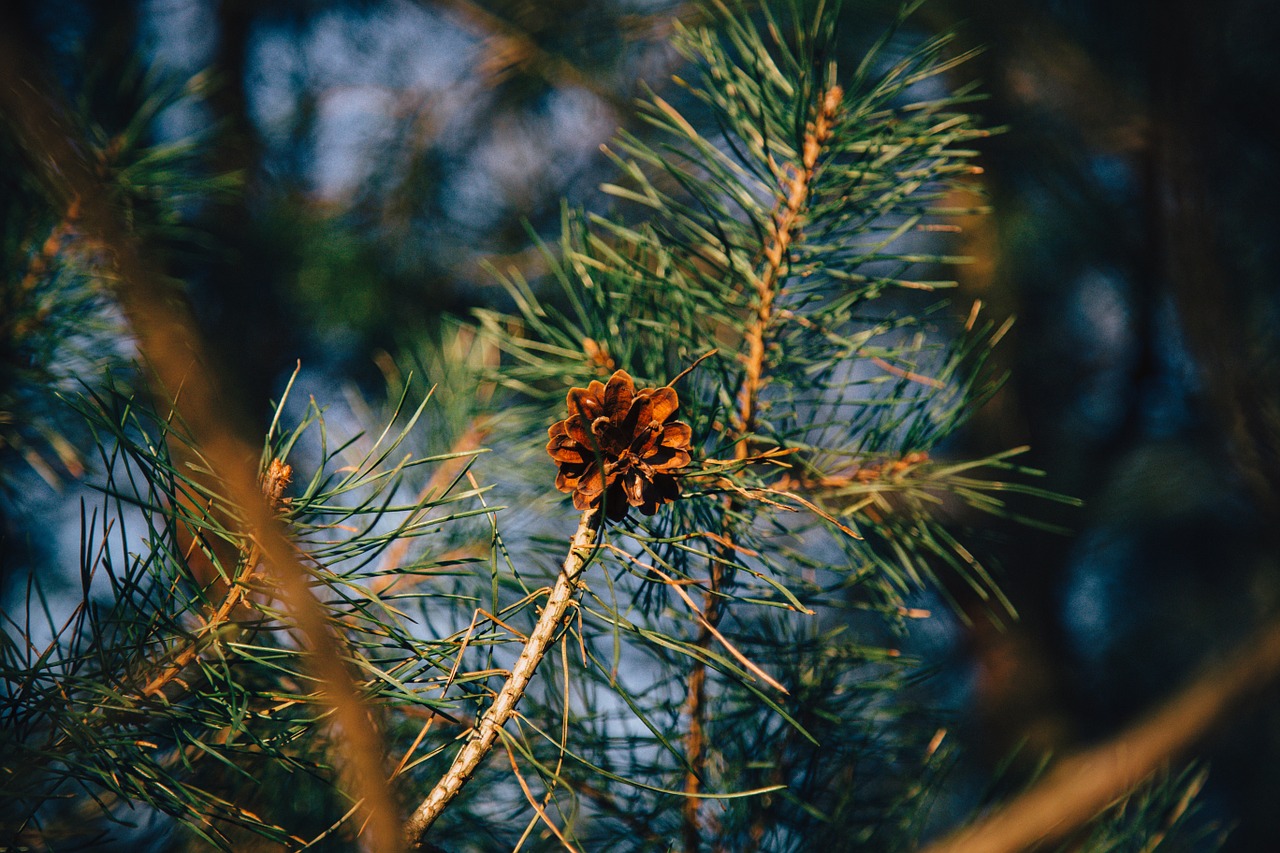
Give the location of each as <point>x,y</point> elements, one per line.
<point>386,151</point>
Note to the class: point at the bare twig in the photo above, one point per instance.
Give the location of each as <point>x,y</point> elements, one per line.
<point>481,739</point>
<point>1079,788</point>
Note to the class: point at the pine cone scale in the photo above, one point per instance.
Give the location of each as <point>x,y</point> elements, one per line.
<point>677,435</point>
<point>564,449</point>
<point>619,393</point>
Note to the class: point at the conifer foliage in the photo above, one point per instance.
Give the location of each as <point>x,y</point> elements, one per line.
<point>744,369</point>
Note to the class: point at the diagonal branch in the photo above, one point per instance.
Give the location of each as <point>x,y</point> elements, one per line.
<point>481,739</point>
<point>1082,786</point>
<point>176,359</point>
<point>274,483</point>
<point>786,225</point>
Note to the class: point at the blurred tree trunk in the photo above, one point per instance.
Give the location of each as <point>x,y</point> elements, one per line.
<point>1226,304</point>
<point>239,301</point>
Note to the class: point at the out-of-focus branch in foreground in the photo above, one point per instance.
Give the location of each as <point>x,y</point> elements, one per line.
<point>1080,787</point>
<point>38,121</point>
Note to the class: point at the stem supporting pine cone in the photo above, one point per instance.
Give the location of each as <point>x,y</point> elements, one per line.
<point>482,738</point>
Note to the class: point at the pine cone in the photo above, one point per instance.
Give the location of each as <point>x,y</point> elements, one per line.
<point>620,444</point>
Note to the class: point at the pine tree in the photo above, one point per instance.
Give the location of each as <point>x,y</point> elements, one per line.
<point>736,386</point>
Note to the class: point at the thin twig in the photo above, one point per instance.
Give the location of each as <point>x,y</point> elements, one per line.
<point>682,374</point>
<point>481,739</point>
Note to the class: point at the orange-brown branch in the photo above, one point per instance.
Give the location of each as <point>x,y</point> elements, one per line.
<point>1079,788</point>
<point>787,222</point>
<point>176,358</point>
<point>274,483</point>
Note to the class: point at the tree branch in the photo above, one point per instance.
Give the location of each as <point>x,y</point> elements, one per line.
<point>274,483</point>
<point>482,738</point>
<point>786,223</point>
<point>1078,788</point>
<point>176,358</point>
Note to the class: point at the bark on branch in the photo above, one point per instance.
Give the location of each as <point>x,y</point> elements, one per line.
<point>787,221</point>
<point>481,739</point>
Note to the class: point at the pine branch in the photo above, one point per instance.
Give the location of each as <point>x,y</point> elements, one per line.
<point>769,240</point>
<point>481,739</point>
<point>786,224</point>
<point>1079,788</point>
<point>174,353</point>
<point>274,483</point>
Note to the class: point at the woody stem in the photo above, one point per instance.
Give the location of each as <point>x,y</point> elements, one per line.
<point>786,223</point>
<point>481,739</point>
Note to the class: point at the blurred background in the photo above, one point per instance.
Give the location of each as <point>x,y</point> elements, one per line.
<point>385,151</point>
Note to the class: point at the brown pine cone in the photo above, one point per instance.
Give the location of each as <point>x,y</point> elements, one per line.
<point>620,444</point>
